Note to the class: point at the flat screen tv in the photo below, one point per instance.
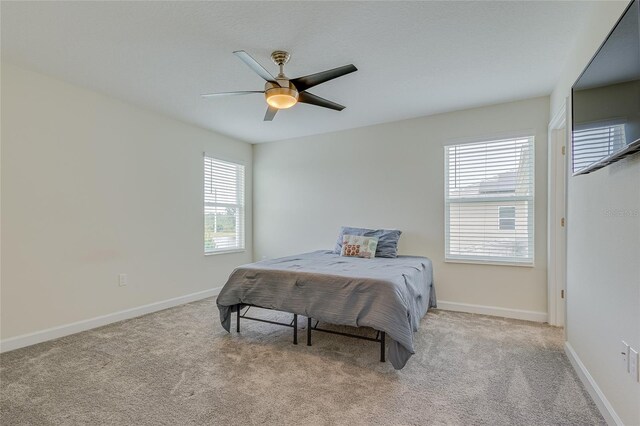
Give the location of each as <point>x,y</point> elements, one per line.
<point>605,100</point>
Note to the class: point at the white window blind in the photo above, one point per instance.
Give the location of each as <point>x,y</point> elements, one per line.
<point>223,206</point>
<point>489,195</point>
<point>596,142</point>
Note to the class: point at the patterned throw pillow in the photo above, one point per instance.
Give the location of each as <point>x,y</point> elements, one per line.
<point>359,246</point>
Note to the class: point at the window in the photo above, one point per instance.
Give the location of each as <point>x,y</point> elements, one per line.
<point>507,219</point>
<point>223,206</point>
<point>489,195</point>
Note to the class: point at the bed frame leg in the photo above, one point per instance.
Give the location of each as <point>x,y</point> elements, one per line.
<point>295,329</point>
<point>308,331</point>
<point>382,335</point>
<point>238,318</point>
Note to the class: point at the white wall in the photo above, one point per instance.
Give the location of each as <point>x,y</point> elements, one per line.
<point>603,249</point>
<point>392,175</point>
<point>93,187</point>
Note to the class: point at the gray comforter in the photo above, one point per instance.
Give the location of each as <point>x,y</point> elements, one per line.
<point>390,295</point>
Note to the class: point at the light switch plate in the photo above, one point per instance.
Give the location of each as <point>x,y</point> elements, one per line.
<point>624,354</point>
<point>633,363</point>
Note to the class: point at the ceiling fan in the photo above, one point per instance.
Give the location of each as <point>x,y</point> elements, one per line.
<point>282,92</point>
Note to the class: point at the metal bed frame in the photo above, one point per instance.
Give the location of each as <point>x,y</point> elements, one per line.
<point>380,335</point>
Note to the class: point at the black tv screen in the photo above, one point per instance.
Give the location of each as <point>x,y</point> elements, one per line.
<point>606,99</point>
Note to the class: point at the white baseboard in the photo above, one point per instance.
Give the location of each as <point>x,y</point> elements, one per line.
<point>493,311</point>
<point>590,384</point>
<point>17,342</point>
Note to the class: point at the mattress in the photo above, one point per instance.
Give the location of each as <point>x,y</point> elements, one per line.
<point>389,295</point>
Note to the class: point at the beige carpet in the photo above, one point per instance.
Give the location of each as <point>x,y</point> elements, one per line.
<point>179,367</point>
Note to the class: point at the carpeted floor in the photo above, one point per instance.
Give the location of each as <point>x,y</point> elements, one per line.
<point>180,367</point>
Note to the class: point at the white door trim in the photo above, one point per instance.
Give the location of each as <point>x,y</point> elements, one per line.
<point>556,233</point>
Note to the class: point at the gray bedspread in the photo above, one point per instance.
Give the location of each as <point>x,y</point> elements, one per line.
<point>390,295</point>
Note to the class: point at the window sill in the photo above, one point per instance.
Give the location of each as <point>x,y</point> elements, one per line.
<point>213,253</point>
<point>491,262</point>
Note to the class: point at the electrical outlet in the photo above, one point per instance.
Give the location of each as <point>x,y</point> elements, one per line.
<point>633,363</point>
<point>122,280</point>
<point>624,352</point>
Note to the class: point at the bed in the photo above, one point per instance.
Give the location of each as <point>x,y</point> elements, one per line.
<point>390,295</point>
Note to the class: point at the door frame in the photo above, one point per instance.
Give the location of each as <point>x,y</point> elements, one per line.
<point>558,154</point>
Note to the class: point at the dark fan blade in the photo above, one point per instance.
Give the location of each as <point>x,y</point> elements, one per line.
<point>310,98</point>
<point>254,65</point>
<point>271,112</point>
<point>246,92</point>
<point>308,81</point>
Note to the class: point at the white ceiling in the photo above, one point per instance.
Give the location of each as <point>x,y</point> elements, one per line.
<point>414,58</point>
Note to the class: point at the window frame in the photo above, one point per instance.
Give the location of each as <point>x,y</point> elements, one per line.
<point>241,206</point>
<point>505,201</point>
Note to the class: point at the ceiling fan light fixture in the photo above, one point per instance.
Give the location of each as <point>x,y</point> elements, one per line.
<point>282,93</point>
<point>281,97</point>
